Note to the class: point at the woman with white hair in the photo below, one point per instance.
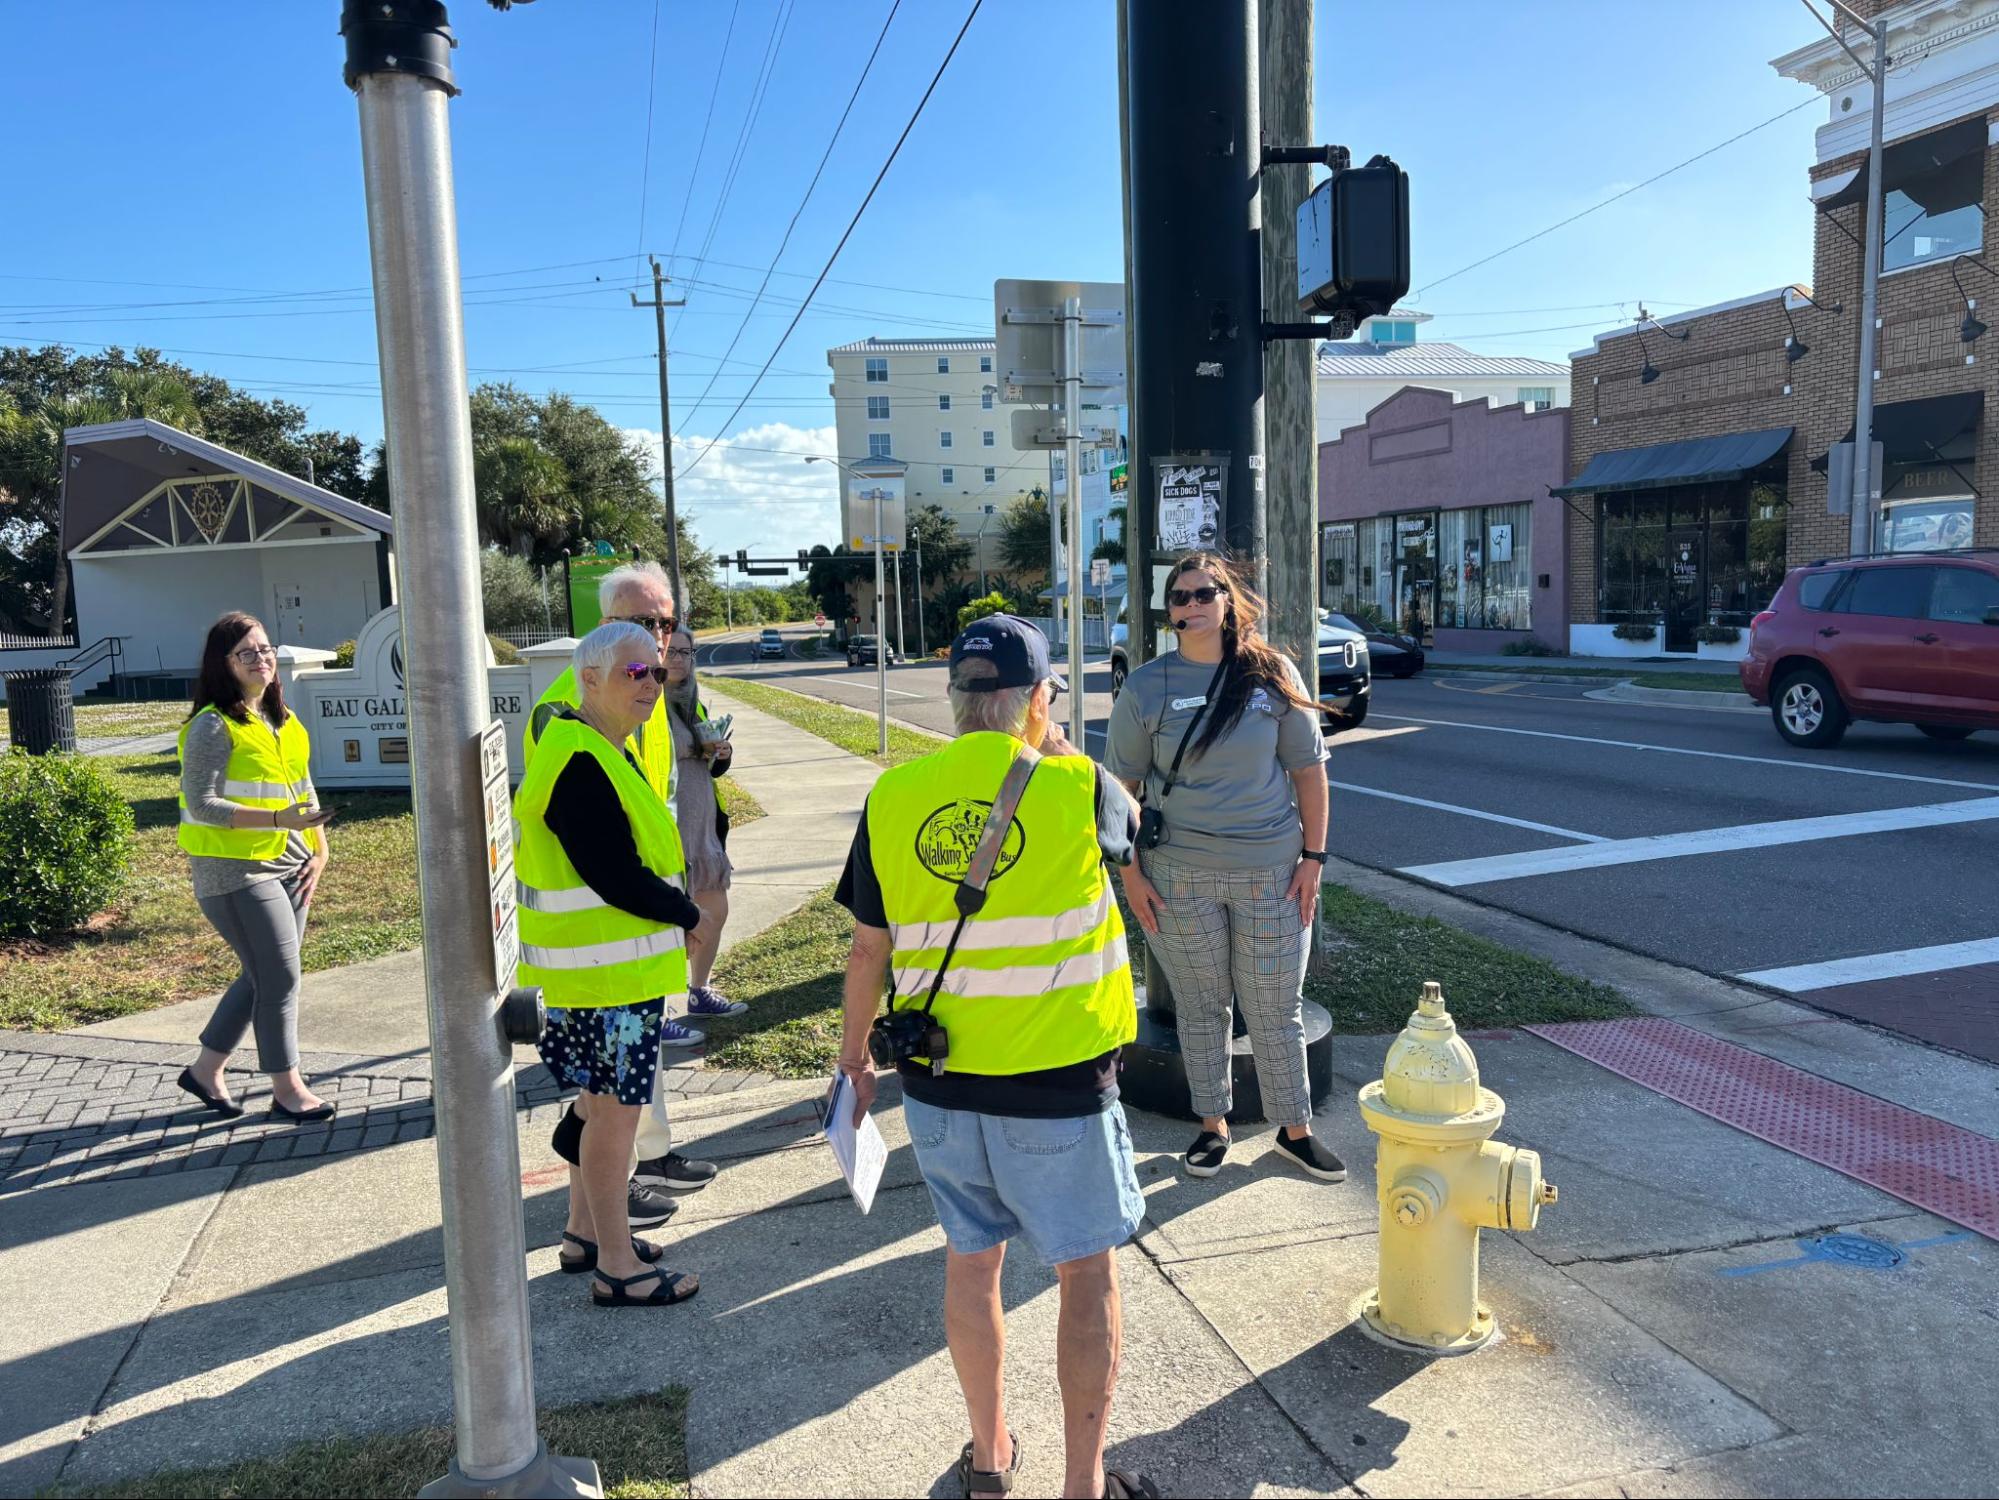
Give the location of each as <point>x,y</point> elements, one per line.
<point>605,924</point>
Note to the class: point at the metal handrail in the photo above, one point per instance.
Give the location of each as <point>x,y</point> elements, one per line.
<point>106,648</point>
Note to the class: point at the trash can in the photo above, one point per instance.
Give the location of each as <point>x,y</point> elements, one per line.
<point>40,715</point>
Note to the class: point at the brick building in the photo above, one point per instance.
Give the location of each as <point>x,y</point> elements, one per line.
<point>1700,442</point>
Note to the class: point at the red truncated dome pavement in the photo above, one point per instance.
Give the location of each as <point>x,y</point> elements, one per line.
<point>1930,1163</point>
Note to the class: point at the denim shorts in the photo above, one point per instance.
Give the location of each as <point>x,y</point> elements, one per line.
<point>1069,1185</point>
<point>604,1049</point>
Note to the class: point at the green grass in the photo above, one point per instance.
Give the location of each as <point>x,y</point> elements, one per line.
<point>1370,979</point>
<point>791,975</point>
<point>640,1445</point>
<point>1376,959</point>
<point>851,731</point>
<point>1686,682</point>
<point>119,721</point>
<point>153,947</point>
<point>738,804</point>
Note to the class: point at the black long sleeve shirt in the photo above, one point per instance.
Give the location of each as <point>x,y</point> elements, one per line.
<point>589,822</point>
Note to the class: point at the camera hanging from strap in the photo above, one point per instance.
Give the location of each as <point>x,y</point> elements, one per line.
<point>971,893</point>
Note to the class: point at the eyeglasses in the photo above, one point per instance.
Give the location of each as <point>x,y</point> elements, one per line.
<point>251,655</point>
<point>1181,598</point>
<point>681,653</point>
<point>638,671</point>
<point>657,624</point>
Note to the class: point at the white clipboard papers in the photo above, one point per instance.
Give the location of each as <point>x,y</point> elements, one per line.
<point>859,1150</point>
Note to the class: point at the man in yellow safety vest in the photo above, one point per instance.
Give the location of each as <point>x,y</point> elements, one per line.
<point>1009,1003</point>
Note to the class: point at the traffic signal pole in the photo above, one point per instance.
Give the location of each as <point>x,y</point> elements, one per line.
<point>398,63</point>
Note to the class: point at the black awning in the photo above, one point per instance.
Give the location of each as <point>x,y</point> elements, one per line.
<point>1922,167</point>
<point>1695,461</point>
<point>1914,432</point>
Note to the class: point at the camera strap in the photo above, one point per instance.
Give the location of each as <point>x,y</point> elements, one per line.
<point>971,893</point>
<point>1193,724</point>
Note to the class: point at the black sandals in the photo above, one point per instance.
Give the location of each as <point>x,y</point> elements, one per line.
<point>988,1481</point>
<point>576,1265</point>
<point>673,1286</point>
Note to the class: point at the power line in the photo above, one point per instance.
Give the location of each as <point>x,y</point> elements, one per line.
<point>645,171</point>
<point>701,151</point>
<point>847,233</point>
<point>806,198</point>
<point>1626,193</point>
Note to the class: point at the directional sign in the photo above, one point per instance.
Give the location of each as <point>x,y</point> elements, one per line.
<point>500,853</point>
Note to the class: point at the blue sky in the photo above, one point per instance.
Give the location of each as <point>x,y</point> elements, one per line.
<point>168,161</point>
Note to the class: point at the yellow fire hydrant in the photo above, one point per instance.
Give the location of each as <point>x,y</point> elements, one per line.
<point>1440,1179</point>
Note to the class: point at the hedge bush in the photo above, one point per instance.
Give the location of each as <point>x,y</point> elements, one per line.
<point>994,603</point>
<point>65,843</point>
<point>1633,632</point>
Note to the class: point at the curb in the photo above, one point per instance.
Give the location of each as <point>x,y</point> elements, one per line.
<point>1628,691</point>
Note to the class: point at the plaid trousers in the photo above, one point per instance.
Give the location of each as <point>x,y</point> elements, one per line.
<point>1233,933</point>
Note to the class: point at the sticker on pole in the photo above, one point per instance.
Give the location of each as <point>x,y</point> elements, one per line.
<point>499,809</point>
<point>1190,506</point>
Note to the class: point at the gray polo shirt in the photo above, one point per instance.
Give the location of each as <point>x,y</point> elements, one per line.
<point>1232,807</point>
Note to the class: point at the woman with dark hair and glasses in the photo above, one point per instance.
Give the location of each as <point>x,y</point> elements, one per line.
<point>1223,746</point>
<point>704,825</point>
<point>255,837</point>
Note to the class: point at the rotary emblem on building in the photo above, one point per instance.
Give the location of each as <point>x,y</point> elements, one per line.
<point>949,836</point>
<point>205,505</point>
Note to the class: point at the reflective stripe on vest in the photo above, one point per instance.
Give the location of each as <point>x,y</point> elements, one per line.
<point>1019,979</point>
<point>614,951</point>
<point>579,948</point>
<point>268,769</point>
<point>1004,932</point>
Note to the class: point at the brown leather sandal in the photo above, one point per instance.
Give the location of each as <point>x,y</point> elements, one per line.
<point>989,1481</point>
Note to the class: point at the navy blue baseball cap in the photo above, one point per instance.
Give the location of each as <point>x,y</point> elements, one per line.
<point>1017,649</point>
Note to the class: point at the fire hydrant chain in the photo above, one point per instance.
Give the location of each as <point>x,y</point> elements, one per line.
<point>1441,1178</point>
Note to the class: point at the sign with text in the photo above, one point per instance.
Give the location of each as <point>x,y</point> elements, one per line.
<point>497,797</point>
<point>1190,506</point>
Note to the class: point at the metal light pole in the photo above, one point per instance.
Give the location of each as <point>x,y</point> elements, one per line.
<point>1860,523</point>
<point>1072,449</point>
<point>881,635</point>
<point>900,649</point>
<point>399,63</point>
<point>984,520</point>
<point>922,636</point>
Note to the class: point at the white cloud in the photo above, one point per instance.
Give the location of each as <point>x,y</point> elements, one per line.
<point>754,489</point>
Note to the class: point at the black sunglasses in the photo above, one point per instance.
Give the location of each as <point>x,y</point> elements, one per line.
<point>657,624</point>
<point>1181,598</point>
<point>639,671</point>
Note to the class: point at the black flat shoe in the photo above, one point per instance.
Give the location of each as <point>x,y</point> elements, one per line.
<point>302,1116</point>
<point>229,1109</point>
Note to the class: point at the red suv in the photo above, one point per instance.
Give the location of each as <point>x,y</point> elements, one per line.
<point>1908,639</point>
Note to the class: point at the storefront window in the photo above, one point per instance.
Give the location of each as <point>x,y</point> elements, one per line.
<point>1727,540</point>
<point>1508,565</point>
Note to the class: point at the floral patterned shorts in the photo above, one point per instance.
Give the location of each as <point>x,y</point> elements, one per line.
<point>605,1049</point>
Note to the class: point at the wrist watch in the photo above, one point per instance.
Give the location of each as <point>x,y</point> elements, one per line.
<point>1317,854</point>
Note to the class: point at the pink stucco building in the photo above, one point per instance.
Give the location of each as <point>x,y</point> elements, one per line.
<point>1436,513</point>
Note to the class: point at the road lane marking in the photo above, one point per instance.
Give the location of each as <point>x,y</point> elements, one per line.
<point>1798,978</point>
<point>1470,812</point>
<point>1351,737</point>
<point>1742,836</point>
<point>1498,687</point>
<point>1754,760</point>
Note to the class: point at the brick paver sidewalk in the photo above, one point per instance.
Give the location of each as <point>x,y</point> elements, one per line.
<point>93,1109</point>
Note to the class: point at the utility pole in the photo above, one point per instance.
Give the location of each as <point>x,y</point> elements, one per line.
<point>900,650</point>
<point>659,305</point>
<point>922,637</point>
<point>1072,427</point>
<point>1290,425</point>
<point>399,65</point>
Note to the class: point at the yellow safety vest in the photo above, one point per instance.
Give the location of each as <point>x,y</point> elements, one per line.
<point>579,948</point>
<point>652,749</point>
<point>1040,978</point>
<point>268,768</point>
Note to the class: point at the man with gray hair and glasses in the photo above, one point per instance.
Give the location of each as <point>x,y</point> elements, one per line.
<point>641,594</point>
<point>1009,1001</point>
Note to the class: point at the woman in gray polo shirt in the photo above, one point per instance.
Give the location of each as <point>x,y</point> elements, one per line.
<point>1228,893</point>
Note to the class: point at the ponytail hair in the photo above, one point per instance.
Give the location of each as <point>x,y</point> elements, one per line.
<point>1252,661</point>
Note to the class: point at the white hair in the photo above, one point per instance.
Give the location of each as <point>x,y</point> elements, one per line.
<point>625,575</point>
<point>998,711</point>
<point>615,643</point>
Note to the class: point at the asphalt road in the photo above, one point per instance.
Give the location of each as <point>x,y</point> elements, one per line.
<point>1864,880</point>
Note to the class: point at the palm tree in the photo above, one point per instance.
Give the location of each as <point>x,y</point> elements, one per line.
<point>523,495</point>
<point>1111,548</point>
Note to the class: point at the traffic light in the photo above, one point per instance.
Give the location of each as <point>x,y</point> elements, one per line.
<point>804,558</point>
<point>743,558</point>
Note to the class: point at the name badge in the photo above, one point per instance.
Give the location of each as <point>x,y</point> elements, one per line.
<point>1180,703</point>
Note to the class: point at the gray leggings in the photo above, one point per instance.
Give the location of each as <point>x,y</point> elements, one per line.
<point>263,925</point>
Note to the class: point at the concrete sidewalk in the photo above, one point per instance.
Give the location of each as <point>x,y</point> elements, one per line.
<point>1670,1329</point>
